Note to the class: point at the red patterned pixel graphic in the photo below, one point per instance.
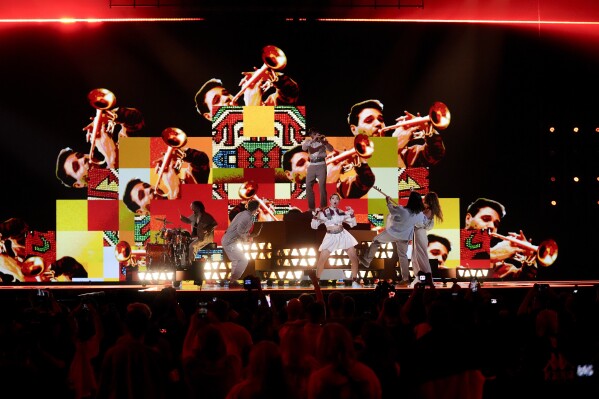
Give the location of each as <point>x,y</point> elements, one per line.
<point>475,249</point>
<point>103,184</point>
<point>42,244</point>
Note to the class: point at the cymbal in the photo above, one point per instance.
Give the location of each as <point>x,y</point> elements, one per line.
<point>164,220</point>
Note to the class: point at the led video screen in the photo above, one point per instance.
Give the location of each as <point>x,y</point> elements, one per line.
<point>111,132</point>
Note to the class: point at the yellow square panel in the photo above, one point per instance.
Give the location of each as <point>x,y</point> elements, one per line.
<point>134,152</point>
<point>258,121</point>
<point>87,247</point>
<point>126,218</point>
<point>71,215</point>
<point>451,213</point>
<point>385,152</point>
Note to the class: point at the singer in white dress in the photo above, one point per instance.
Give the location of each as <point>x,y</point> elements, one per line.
<point>336,236</point>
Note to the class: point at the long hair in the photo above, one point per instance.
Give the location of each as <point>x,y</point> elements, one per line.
<point>431,199</point>
<point>415,203</point>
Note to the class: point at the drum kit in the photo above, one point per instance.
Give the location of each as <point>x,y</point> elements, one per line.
<point>174,249</point>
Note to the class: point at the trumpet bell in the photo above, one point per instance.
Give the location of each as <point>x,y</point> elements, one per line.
<point>248,190</point>
<point>174,137</point>
<point>33,266</point>
<point>122,251</point>
<point>439,115</point>
<point>274,57</point>
<point>364,146</point>
<point>547,252</point>
<point>101,99</point>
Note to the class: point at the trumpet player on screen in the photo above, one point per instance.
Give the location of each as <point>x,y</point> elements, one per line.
<point>414,150</point>
<point>72,167</point>
<point>213,94</point>
<point>263,86</point>
<point>139,194</point>
<point>507,259</point>
<point>296,161</point>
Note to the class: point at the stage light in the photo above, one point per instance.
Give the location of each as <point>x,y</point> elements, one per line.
<point>552,130</point>
<point>156,276</point>
<point>552,178</point>
<point>470,273</point>
<point>575,130</point>
<point>553,202</point>
<point>576,179</point>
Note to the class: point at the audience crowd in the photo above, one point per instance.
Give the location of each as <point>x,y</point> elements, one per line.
<point>425,342</point>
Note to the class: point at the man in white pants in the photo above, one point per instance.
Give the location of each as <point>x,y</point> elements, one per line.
<point>401,231</point>
<point>239,232</point>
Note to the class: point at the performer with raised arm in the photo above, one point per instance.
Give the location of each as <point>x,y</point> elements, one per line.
<point>401,231</point>
<point>317,147</point>
<point>336,237</point>
<point>238,232</point>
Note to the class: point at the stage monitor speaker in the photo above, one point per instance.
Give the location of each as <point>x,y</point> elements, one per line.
<point>197,271</point>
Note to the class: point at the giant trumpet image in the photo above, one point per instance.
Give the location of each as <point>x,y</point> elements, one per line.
<point>248,191</point>
<point>102,100</point>
<point>438,116</point>
<point>363,148</point>
<point>174,138</point>
<point>274,60</point>
<point>545,252</point>
<point>122,252</point>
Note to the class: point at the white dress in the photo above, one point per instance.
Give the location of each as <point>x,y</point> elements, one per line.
<point>335,241</point>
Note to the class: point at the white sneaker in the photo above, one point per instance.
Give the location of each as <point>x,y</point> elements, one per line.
<point>355,284</point>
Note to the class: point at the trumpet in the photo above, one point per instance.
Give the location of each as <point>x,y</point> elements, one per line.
<point>438,116</point>
<point>174,138</point>
<point>122,252</point>
<point>274,60</point>
<point>248,191</point>
<point>545,252</point>
<point>101,100</point>
<point>34,266</point>
<point>363,148</point>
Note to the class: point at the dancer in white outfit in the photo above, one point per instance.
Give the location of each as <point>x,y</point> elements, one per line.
<point>336,237</point>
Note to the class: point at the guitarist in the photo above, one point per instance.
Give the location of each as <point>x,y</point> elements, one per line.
<point>202,228</point>
<point>239,232</point>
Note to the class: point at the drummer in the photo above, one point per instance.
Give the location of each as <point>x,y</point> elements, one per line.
<point>202,228</point>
